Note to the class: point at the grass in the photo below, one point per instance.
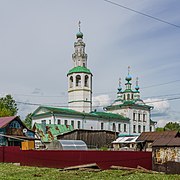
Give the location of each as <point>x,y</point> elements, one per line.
<point>10,171</point>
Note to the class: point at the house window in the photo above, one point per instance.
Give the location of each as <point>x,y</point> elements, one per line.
<point>43,121</point>
<point>139,128</point>
<point>65,122</point>
<point>134,128</point>
<point>114,127</point>
<point>125,128</point>
<point>72,123</point>
<point>78,80</point>
<point>59,121</point>
<point>49,121</point>
<point>79,124</point>
<point>119,127</point>
<point>15,124</point>
<point>144,128</point>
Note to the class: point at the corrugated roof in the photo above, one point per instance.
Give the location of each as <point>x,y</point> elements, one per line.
<point>51,131</point>
<point>152,136</point>
<point>4,121</point>
<point>167,142</point>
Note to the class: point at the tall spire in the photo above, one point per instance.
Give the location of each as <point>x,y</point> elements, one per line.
<point>137,86</point>
<point>79,34</point>
<point>119,88</point>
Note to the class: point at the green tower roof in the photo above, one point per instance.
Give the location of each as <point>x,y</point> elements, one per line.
<point>79,69</point>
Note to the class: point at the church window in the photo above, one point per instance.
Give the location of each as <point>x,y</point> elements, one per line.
<point>144,128</point>
<point>134,116</point>
<point>125,128</point>
<point>132,96</point>
<point>139,117</point>
<point>78,80</point>
<point>119,127</point>
<point>86,81</point>
<point>134,128</point>
<point>102,126</point>
<point>114,127</point>
<point>144,117</point>
<point>84,65</point>
<point>139,128</point>
<point>78,124</point>
<point>59,121</point>
<point>43,121</point>
<point>66,122</point>
<point>72,123</point>
<point>71,82</point>
<point>49,121</point>
<point>124,97</point>
<point>150,128</point>
<point>128,96</point>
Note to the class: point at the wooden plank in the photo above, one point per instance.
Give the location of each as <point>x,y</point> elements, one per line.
<point>93,165</point>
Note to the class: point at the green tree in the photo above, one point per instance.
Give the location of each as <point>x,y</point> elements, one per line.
<point>172,126</point>
<point>159,129</point>
<point>28,121</point>
<point>8,106</point>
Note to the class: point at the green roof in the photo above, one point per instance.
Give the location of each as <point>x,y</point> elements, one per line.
<point>64,111</point>
<point>50,132</point>
<point>79,69</point>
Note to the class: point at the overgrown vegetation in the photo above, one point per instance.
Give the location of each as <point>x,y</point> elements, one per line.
<point>10,171</point>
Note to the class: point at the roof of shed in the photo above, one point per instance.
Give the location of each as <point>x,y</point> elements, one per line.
<point>52,130</point>
<point>167,142</point>
<point>152,136</point>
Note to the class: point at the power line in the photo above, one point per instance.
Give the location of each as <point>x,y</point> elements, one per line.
<point>141,13</point>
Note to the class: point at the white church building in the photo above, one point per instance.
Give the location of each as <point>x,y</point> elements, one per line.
<point>128,114</point>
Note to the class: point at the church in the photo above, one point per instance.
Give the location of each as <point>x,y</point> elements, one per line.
<point>127,115</point>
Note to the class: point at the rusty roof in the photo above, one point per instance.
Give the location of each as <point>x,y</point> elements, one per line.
<point>4,121</point>
<point>167,142</point>
<point>152,136</point>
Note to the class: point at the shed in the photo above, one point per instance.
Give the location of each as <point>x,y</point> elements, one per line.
<point>125,143</point>
<point>93,138</point>
<point>67,145</point>
<point>146,139</point>
<point>166,155</point>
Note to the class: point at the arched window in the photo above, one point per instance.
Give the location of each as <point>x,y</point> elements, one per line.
<point>124,97</point>
<point>78,80</point>
<point>128,96</point>
<point>86,81</point>
<point>71,82</point>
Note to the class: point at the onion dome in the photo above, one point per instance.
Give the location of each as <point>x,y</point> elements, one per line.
<point>128,78</point>
<point>136,88</point>
<point>79,35</point>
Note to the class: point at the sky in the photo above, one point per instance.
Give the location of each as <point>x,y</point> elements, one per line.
<point>36,45</point>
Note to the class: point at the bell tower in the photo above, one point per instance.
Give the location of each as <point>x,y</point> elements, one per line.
<point>80,78</point>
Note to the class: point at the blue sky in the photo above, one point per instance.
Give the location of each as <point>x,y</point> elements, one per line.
<point>36,44</point>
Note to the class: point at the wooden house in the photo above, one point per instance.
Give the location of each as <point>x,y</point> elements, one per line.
<point>13,131</point>
<point>166,155</point>
<point>146,139</point>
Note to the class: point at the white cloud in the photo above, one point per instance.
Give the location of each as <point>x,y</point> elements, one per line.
<point>161,107</point>
<point>100,101</point>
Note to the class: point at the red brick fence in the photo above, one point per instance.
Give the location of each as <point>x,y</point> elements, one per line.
<point>61,159</point>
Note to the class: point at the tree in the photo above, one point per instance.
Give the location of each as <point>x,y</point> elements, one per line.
<point>172,126</point>
<point>8,106</point>
<point>28,121</point>
<point>159,129</point>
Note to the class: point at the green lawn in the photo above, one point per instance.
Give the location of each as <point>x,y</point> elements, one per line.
<point>10,171</point>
